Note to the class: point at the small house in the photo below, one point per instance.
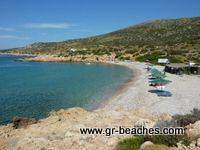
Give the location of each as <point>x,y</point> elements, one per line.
<point>73,49</point>
<point>163,61</point>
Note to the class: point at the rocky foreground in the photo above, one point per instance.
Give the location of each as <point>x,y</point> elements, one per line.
<point>61,130</point>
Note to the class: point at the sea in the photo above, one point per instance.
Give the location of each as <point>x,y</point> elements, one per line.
<point>33,89</point>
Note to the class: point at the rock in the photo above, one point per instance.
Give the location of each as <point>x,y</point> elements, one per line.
<point>144,123</point>
<point>112,141</point>
<point>165,116</point>
<point>145,144</point>
<point>69,134</point>
<point>193,130</point>
<point>19,122</point>
<point>198,142</point>
<point>50,133</point>
<point>181,146</point>
<point>193,145</point>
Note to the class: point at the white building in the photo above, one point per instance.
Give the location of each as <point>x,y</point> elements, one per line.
<point>163,61</point>
<point>191,63</point>
<point>73,49</point>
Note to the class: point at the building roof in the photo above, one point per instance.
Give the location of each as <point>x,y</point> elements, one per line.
<point>177,65</point>
<point>163,60</point>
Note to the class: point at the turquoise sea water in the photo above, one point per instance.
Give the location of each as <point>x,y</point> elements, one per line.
<point>32,89</point>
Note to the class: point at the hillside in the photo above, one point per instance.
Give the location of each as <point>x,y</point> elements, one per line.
<point>177,39</point>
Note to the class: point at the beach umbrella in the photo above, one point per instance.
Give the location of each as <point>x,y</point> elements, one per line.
<point>160,81</point>
<point>157,74</point>
<point>155,71</point>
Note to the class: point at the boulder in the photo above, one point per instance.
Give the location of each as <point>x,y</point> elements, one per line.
<point>198,142</point>
<point>192,145</point>
<point>144,123</point>
<point>180,146</point>
<point>19,122</point>
<point>193,130</point>
<point>145,144</point>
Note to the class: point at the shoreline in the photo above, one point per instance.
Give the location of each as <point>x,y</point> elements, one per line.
<point>103,101</point>
<point>124,87</point>
<point>131,106</point>
<point>133,94</point>
<point>57,58</point>
<point>17,54</point>
<point>123,99</point>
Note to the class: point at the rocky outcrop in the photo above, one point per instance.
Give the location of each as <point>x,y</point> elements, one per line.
<point>76,58</point>
<point>193,130</point>
<point>145,144</point>
<point>61,130</point>
<point>19,122</point>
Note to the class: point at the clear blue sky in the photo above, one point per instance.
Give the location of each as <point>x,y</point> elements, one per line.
<point>26,21</point>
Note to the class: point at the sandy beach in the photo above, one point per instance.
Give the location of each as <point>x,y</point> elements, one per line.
<point>131,106</point>
<point>185,93</point>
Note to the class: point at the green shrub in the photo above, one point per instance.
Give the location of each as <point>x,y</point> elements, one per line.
<point>168,140</point>
<point>130,51</point>
<point>174,59</point>
<point>144,50</point>
<point>184,120</point>
<point>118,55</point>
<point>151,58</point>
<point>124,58</point>
<point>134,143</point>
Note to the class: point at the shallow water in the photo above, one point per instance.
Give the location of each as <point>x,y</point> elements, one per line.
<point>32,89</point>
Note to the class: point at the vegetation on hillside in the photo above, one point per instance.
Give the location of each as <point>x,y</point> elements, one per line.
<point>176,39</point>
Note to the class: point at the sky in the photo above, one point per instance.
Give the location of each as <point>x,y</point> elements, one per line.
<point>23,22</point>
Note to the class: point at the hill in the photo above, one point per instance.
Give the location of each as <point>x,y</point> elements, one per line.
<point>177,39</point>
